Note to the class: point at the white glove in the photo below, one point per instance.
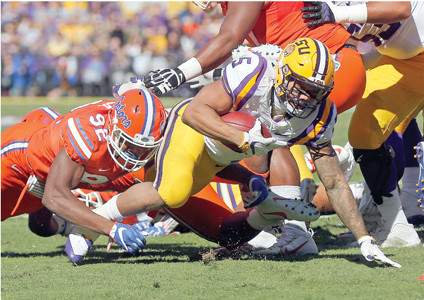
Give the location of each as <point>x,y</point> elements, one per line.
<point>256,143</point>
<point>371,252</point>
<point>205,79</point>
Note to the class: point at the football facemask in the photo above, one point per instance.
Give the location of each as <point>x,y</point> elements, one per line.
<point>304,76</point>
<point>202,4</point>
<point>137,125</point>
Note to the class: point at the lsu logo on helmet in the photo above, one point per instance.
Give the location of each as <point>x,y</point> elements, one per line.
<point>305,62</point>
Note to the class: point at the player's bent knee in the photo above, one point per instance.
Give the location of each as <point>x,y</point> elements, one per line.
<point>364,138</point>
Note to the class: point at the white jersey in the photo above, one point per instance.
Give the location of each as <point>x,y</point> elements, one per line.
<point>249,80</point>
<point>400,40</point>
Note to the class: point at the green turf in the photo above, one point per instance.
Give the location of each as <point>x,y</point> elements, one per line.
<point>171,268</point>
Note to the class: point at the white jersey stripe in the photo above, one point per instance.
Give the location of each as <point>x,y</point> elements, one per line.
<point>150,114</point>
<point>50,112</point>
<point>78,138</point>
<point>323,60</point>
<point>14,146</point>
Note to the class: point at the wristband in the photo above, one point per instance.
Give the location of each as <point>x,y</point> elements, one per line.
<point>351,14</point>
<point>191,68</point>
<point>112,209</point>
<point>244,145</point>
<point>364,238</point>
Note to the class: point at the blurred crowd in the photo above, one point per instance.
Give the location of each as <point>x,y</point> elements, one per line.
<point>60,49</point>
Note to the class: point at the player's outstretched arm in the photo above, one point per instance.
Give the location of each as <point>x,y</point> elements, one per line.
<point>63,176</point>
<point>340,196</point>
<point>339,193</point>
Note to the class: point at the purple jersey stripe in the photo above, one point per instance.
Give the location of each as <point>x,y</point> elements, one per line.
<point>313,125</point>
<point>172,119</point>
<point>257,73</point>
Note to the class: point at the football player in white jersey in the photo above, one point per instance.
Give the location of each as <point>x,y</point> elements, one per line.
<point>394,96</point>
<point>290,99</point>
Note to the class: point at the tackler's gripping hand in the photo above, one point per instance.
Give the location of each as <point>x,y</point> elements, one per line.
<point>163,81</point>
<point>370,251</point>
<point>129,238</point>
<point>319,12</point>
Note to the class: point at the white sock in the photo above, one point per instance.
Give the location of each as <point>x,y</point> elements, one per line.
<point>299,224</point>
<point>391,210</point>
<point>263,240</point>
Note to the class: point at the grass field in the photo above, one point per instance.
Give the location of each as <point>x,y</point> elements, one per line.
<point>172,267</point>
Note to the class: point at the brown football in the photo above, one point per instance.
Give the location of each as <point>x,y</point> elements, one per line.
<point>244,122</point>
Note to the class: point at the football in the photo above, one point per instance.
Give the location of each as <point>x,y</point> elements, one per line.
<point>244,122</point>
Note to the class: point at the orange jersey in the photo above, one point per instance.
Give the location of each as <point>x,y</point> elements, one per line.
<point>280,23</point>
<point>82,132</point>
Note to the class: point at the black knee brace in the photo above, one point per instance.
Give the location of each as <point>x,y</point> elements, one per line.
<point>376,169</point>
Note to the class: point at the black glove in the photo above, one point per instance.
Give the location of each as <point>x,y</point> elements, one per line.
<point>163,81</point>
<point>319,12</point>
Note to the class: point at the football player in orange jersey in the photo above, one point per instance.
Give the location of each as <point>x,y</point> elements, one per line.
<point>276,23</point>
<point>45,156</point>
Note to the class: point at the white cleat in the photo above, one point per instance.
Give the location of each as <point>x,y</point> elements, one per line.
<point>292,241</point>
<point>276,208</point>
<point>265,239</point>
<point>401,235</point>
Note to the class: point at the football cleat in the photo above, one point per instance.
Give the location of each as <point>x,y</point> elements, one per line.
<point>77,246</point>
<point>413,212</point>
<point>265,239</point>
<point>276,207</point>
<point>401,235</point>
<point>420,185</point>
<point>293,241</point>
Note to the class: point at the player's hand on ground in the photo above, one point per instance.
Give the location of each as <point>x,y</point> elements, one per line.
<point>128,237</point>
<point>370,251</point>
<point>319,12</point>
<point>254,191</point>
<point>163,81</point>
<point>136,82</point>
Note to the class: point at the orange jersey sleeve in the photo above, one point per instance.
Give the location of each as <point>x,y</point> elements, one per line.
<point>281,22</point>
<point>82,132</point>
